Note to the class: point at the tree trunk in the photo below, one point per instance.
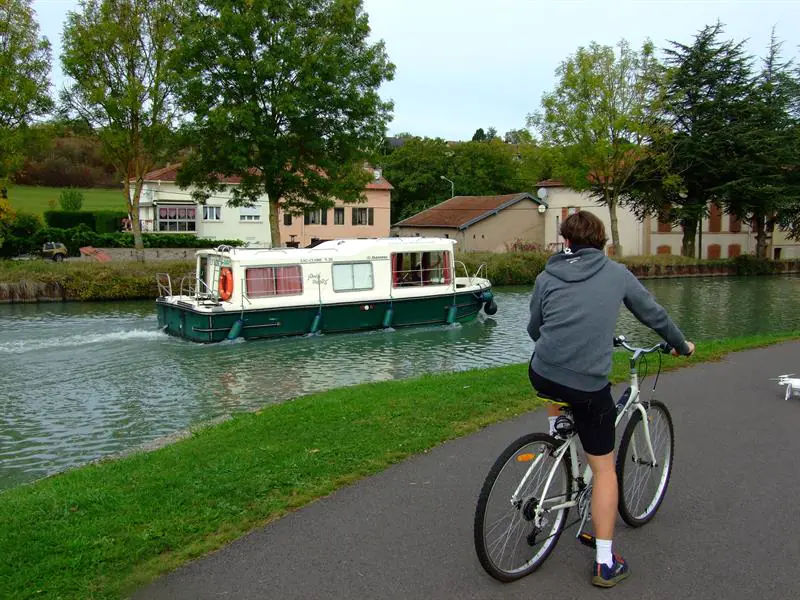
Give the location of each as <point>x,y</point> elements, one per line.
<point>689,230</point>
<point>133,211</point>
<point>761,236</point>
<point>274,224</point>
<point>612,213</point>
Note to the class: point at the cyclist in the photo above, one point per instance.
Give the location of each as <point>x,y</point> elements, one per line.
<point>573,314</point>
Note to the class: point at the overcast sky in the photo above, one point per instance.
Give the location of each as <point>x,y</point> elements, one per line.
<point>464,64</point>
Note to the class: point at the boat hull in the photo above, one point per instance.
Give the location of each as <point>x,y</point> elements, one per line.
<point>197,324</point>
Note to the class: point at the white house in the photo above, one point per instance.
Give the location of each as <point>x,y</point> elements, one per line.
<point>164,207</point>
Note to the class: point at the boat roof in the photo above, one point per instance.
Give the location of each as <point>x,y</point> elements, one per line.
<point>338,248</point>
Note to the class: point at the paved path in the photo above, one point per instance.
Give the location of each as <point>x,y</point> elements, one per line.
<point>729,527</point>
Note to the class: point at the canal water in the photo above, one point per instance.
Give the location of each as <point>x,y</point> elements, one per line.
<point>83,381</point>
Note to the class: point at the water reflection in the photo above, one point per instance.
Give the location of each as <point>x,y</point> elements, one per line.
<point>81,381</point>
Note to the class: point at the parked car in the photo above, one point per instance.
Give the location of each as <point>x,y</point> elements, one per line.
<point>54,250</point>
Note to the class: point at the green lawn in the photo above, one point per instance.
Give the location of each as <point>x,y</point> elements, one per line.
<point>35,199</point>
<point>105,529</point>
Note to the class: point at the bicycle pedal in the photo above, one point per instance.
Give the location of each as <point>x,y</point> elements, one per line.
<point>587,539</point>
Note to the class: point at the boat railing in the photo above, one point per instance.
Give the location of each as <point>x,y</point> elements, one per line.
<point>164,284</point>
<point>192,287</point>
<point>478,272</point>
<point>466,271</point>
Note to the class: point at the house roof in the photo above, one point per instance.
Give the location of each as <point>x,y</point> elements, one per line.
<point>550,183</point>
<point>460,212</point>
<point>170,172</point>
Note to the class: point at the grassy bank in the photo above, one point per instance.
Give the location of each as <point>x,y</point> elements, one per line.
<point>25,281</point>
<point>102,530</point>
<point>36,199</point>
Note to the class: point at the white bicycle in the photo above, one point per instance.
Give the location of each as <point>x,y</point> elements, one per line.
<point>525,500</point>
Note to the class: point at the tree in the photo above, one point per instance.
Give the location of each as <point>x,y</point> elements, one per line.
<point>284,95</point>
<point>24,73</point>
<point>766,190</point>
<point>518,136</point>
<point>479,135</point>
<point>704,102</point>
<point>117,53</point>
<point>600,115</point>
<point>484,168</point>
<point>7,218</point>
<point>415,170</point>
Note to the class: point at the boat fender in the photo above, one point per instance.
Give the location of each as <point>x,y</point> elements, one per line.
<point>387,317</point>
<point>316,323</point>
<point>487,295</point>
<point>490,307</point>
<point>451,314</point>
<point>225,283</point>
<point>236,330</point>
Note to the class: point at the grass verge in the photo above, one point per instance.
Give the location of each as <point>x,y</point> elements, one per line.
<point>103,530</point>
<point>36,199</point>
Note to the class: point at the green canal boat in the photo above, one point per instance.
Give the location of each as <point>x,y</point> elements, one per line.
<point>337,286</point>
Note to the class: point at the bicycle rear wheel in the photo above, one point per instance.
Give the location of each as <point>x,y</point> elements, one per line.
<point>508,542</point>
<point>642,484</point>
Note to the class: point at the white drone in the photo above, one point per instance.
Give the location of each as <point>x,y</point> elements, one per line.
<point>792,384</point>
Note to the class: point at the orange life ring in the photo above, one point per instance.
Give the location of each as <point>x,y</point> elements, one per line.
<point>225,283</point>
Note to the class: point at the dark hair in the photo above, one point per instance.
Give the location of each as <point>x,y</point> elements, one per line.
<point>583,228</point>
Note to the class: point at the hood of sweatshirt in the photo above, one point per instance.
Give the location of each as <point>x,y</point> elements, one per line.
<point>576,266</point>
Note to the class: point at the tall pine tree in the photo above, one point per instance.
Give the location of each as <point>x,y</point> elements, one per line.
<point>766,189</point>
<point>704,99</point>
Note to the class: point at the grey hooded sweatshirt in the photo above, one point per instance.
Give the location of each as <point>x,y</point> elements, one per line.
<point>574,309</point>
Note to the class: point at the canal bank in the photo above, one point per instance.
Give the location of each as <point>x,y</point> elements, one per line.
<point>84,279</point>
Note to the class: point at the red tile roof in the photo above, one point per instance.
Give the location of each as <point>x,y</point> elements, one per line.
<point>461,211</point>
<point>550,183</point>
<point>170,172</point>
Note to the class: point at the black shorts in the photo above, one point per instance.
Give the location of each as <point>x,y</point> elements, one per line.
<point>594,413</point>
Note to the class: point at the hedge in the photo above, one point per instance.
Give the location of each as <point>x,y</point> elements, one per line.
<point>67,219</point>
<point>77,237</point>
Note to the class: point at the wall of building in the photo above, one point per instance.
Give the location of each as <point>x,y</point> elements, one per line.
<point>564,201</point>
<point>377,200</point>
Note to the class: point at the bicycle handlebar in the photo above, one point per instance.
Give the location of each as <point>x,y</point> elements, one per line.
<point>621,341</point>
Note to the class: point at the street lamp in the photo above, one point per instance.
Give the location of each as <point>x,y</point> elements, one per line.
<point>452,186</point>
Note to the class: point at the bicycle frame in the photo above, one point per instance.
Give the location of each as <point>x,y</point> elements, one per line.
<point>584,479</point>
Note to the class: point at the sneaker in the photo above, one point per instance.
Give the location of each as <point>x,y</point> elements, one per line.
<point>605,576</point>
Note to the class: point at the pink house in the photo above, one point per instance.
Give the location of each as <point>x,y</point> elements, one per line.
<point>367,219</point>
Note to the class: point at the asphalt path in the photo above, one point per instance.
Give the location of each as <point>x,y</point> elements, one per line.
<point>728,528</point>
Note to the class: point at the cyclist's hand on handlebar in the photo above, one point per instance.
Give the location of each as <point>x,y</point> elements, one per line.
<point>691,349</point>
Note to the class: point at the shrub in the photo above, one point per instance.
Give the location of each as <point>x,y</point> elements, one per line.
<point>25,225</point>
<point>71,199</point>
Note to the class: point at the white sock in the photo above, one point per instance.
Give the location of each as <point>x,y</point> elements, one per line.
<point>604,552</point>
<point>552,421</point>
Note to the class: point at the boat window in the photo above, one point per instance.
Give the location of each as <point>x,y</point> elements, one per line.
<point>263,282</point>
<point>421,268</point>
<point>352,276</point>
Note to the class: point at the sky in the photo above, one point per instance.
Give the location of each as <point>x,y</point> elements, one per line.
<point>465,64</point>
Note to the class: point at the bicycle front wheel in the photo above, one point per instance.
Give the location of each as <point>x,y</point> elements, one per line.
<point>642,482</point>
<point>509,541</point>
